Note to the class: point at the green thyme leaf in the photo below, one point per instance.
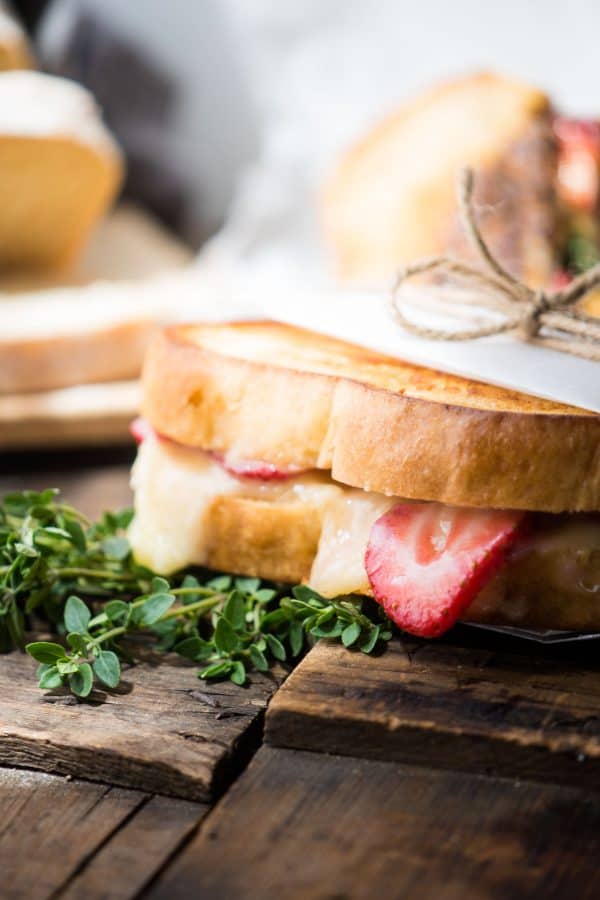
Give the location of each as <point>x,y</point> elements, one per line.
<point>226,640</point>
<point>296,637</point>
<point>107,668</point>
<point>77,615</point>
<point>117,611</point>
<point>234,609</point>
<point>50,678</point>
<point>351,634</point>
<point>368,644</point>
<point>276,647</point>
<point>259,660</point>
<point>247,585</point>
<point>45,651</point>
<point>116,547</point>
<point>77,642</point>
<point>153,608</point>
<point>217,670</point>
<point>81,682</point>
<point>238,672</point>
<point>77,534</point>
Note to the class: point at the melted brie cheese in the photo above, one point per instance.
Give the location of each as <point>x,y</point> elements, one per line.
<point>175,488</point>
<point>339,564</point>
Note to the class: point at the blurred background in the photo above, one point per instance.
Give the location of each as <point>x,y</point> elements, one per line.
<point>201,94</point>
<point>203,139</point>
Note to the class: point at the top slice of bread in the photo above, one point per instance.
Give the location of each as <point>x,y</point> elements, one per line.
<point>391,197</point>
<point>263,390</point>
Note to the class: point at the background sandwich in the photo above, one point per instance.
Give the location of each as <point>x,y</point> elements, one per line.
<point>390,199</point>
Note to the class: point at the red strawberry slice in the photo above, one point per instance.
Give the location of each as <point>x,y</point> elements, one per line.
<point>140,429</point>
<point>427,562</point>
<point>578,162</point>
<point>256,469</point>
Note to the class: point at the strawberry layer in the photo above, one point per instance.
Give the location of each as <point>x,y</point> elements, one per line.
<point>556,560</point>
<point>257,469</point>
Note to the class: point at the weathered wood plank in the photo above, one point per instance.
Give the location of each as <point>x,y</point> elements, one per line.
<point>300,825</point>
<point>138,850</point>
<point>162,731</point>
<point>49,826</point>
<point>442,704</point>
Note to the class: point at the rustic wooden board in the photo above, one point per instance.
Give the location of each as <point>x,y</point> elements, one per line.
<point>129,246</point>
<point>302,825</point>
<point>533,713</point>
<point>136,852</point>
<point>73,839</point>
<point>49,826</point>
<point>162,731</point>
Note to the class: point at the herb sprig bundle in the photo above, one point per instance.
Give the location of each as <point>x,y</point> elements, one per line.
<point>51,558</point>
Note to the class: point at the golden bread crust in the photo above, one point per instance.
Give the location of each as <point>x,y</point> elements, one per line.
<point>284,395</point>
<point>267,540</point>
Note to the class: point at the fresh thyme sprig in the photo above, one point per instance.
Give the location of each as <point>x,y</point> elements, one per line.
<point>51,557</point>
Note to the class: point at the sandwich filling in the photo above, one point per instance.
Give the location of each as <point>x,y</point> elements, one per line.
<point>426,563</point>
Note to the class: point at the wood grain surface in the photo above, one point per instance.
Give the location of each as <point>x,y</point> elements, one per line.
<point>74,839</point>
<point>131,857</point>
<point>299,825</point>
<point>533,713</point>
<point>162,730</point>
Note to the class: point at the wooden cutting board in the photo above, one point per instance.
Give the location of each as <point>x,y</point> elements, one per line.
<point>162,731</point>
<point>480,704</point>
<point>129,246</point>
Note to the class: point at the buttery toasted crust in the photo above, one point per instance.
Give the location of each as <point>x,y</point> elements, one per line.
<point>261,390</point>
<point>265,540</point>
<point>391,197</point>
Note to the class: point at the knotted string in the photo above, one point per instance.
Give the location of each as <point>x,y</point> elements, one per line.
<point>549,318</point>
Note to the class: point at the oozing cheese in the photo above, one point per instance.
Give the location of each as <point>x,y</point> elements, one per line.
<point>339,564</point>
<point>175,488</point>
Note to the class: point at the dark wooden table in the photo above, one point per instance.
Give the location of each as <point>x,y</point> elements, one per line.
<point>467,768</point>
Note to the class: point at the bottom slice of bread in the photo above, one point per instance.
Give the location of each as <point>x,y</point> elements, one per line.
<point>310,529</point>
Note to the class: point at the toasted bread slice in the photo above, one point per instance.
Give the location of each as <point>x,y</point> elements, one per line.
<point>273,392</point>
<point>391,198</point>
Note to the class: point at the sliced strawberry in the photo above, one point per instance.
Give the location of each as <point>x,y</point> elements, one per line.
<point>578,162</point>
<point>427,562</point>
<point>256,469</point>
<point>140,429</point>
<point>560,279</point>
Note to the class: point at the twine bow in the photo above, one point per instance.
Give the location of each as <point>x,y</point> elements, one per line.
<point>549,318</point>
